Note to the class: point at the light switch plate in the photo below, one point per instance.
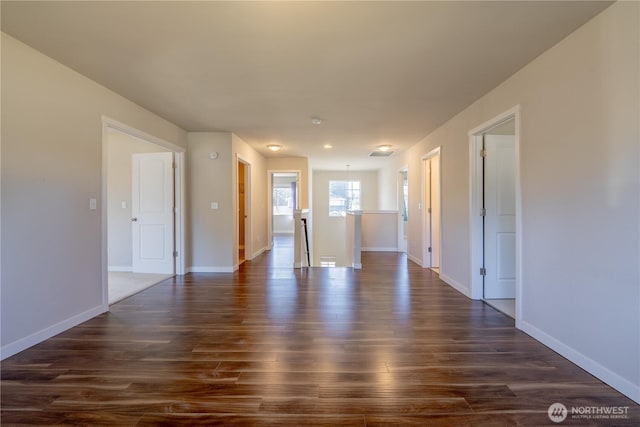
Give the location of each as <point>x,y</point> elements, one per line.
<point>214,205</point>
<point>93,204</point>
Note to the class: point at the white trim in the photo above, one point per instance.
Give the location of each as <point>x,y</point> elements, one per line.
<point>401,242</point>
<point>380,212</point>
<point>621,384</point>
<point>475,191</point>
<point>143,136</point>
<point>379,249</point>
<point>414,259</point>
<point>475,220</point>
<point>179,215</point>
<point>455,285</point>
<point>46,333</point>
<point>248,229</point>
<point>121,268</point>
<point>426,256</point>
<point>258,252</point>
<point>500,119</point>
<point>211,269</point>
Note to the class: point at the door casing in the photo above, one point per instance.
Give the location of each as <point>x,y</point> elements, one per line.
<point>433,220</point>
<point>248,234</point>
<point>179,189</point>
<point>270,173</point>
<point>475,206</point>
<point>403,242</point>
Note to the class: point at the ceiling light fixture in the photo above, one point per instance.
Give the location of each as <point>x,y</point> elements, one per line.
<point>327,146</point>
<point>384,147</point>
<point>274,147</point>
<point>316,121</point>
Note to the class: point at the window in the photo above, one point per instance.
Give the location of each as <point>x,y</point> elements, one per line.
<point>343,196</point>
<point>282,201</point>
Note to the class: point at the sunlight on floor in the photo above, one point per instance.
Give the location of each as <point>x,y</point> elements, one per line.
<point>123,285</point>
<point>507,306</point>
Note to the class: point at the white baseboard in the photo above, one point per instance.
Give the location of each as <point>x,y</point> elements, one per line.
<point>37,337</point>
<point>455,285</point>
<point>621,384</point>
<point>379,249</point>
<point>122,268</point>
<point>259,252</point>
<point>414,259</point>
<point>210,269</point>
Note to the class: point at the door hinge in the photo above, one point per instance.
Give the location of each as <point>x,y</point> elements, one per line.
<point>175,166</point>
<point>483,152</point>
<point>483,212</point>
<point>429,210</point>
<point>483,271</point>
<point>175,254</point>
<point>429,250</point>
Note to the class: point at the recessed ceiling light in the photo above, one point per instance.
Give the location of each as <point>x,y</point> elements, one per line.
<point>384,147</point>
<point>327,146</point>
<point>316,121</point>
<point>274,147</point>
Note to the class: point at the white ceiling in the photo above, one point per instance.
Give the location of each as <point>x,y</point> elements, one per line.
<point>374,72</point>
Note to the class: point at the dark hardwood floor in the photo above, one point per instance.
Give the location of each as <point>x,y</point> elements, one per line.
<point>269,345</point>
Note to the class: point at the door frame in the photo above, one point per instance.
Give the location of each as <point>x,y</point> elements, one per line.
<point>179,196</point>
<point>248,231</point>
<point>270,173</point>
<point>475,204</point>
<point>427,261</point>
<point>402,243</point>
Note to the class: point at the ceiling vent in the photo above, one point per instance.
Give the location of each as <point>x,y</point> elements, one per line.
<point>380,153</point>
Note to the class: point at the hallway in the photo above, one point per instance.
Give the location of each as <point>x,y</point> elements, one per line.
<point>390,344</point>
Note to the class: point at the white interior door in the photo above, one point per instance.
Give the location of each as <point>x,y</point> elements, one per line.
<point>500,217</point>
<point>152,213</point>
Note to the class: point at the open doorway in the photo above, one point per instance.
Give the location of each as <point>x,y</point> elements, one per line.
<point>142,208</point>
<point>431,210</point>
<point>495,195</point>
<point>284,202</point>
<point>243,211</point>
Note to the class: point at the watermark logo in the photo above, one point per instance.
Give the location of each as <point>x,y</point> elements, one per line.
<point>557,412</point>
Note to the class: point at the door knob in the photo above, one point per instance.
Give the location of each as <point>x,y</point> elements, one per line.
<point>134,219</point>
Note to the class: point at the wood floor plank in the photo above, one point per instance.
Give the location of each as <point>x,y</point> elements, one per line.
<point>390,345</point>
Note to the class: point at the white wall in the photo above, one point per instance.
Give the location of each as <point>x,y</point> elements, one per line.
<point>120,148</point>
<point>209,180</point>
<point>283,224</point>
<point>379,231</point>
<point>580,188</point>
<point>214,241</point>
<point>51,167</point>
<point>328,232</point>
